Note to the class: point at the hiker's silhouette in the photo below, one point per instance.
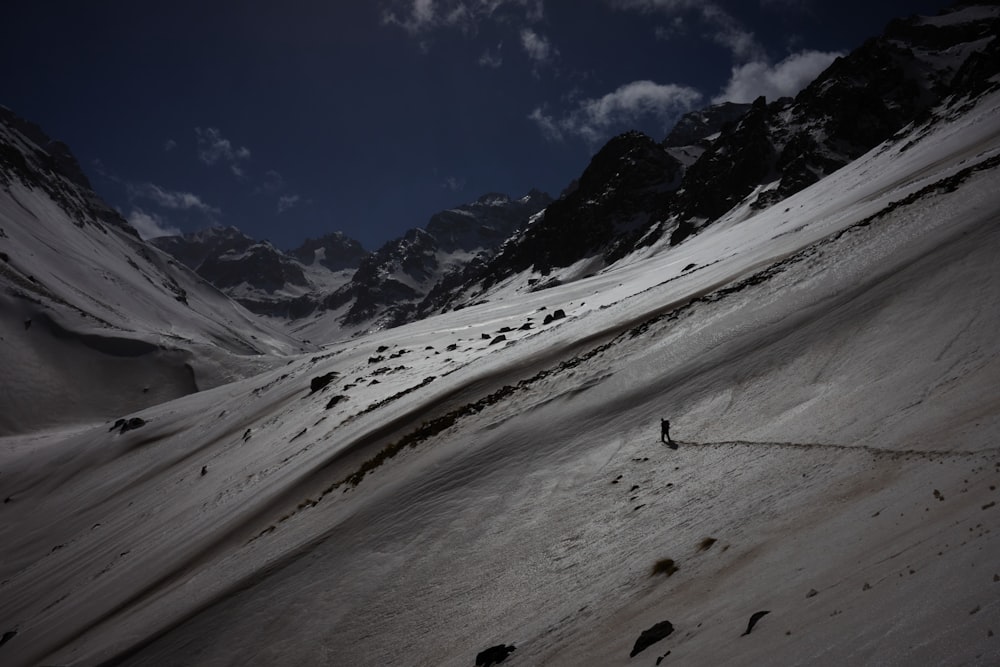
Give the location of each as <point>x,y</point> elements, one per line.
<point>665,434</point>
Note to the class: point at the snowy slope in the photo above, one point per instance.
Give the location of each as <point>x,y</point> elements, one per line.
<point>830,367</point>
<point>95,322</point>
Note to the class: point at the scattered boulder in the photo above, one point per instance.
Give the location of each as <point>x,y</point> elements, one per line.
<point>486,336</point>
<point>336,399</point>
<point>649,637</point>
<point>10,634</point>
<point>124,425</point>
<point>553,316</point>
<point>493,655</point>
<point>498,339</point>
<point>321,381</point>
<point>757,615</point>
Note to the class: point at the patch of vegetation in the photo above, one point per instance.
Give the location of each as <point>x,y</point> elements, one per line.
<point>707,543</point>
<point>665,566</point>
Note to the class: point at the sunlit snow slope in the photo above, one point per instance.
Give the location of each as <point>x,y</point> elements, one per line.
<point>830,368</point>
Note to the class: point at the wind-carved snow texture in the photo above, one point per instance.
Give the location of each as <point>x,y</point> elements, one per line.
<point>829,367</point>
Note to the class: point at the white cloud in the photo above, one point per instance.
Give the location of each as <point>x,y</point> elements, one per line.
<point>668,32</point>
<point>286,202</point>
<point>723,28</point>
<point>103,172</point>
<point>273,182</point>
<point>150,225</point>
<point>547,124</point>
<point>490,59</point>
<point>213,147</point>
<point>800,5</point>
<point>537,46</point>
<point>595,119</point>
<point>454,184</point>
<point>169,145</point>
<point>786,78</point>
<point>418,17</point>
<point>171,199</point>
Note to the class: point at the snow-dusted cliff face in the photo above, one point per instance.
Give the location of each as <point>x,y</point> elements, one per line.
<point>636,193</point>
<point>391,281</point>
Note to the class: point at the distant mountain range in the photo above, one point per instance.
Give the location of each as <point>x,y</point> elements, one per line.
<point>635,194</point>
<point>335,280</point>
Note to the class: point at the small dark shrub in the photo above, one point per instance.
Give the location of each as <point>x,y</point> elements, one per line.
<point>665,566</point>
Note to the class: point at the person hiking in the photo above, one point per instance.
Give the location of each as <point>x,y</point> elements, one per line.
<point>665,434</point>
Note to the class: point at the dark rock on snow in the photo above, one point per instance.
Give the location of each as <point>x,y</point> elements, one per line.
<point>124,425</point>
<point>493,655</point>
<point>321,381</point>
<point>553,316</point>
<point>651,636</point>
<point>757,615</point>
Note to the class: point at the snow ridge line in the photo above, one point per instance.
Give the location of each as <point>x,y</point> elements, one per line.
<point>673,311</point>
<point>875,452</point>
<point>632,329</point>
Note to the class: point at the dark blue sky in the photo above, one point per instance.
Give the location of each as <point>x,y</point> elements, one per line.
<point>298,118</point>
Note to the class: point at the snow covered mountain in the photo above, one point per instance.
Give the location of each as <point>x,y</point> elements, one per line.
<point>491,480</point>
<point>335,251</point>
<point>79,288</point>
<point>330,287</point>
<point>635,191</point>
<point>390,282</point>
<point>265,280</point>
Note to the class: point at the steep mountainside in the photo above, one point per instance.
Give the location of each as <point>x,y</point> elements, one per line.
<point>194,248</point>
<point>390,282</point>
<point>494,476</point>
<point>76,282</point>
<point>334,251</point>
<point>636,193</point>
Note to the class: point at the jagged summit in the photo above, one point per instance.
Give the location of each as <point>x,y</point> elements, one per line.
<point>391,281</point>
<point>335,251</point>
<point>695,127</point>
<point>736,159</point>
<point>34,158</point>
